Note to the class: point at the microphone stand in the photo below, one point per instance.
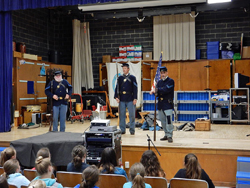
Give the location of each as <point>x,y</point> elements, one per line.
<point>149,140</point>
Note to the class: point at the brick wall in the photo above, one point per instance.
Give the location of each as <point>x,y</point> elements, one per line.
<point>40,34</point>
<point>107,35</point>
<point>35,28</point>
<point>223,26</point>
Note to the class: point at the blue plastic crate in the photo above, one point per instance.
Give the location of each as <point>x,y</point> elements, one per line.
<point>198,54</point>
<point>243,164</point>
<point>213,56</point>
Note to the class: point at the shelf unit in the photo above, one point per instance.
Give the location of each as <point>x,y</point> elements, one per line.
<point>188,105</point>
<point>235,92</point>
<point>148,103</point>
<point>224,105</point>
<point>191,105</point>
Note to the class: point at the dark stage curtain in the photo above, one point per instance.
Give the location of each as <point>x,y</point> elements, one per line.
<point>6,61</point>
<point>8,5</point>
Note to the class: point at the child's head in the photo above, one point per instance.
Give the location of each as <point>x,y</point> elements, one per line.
<point>193,168</point>
<point>3,182</point>
<point>90,177</point>
<point>79,152</point>
<point>108,161</point>
<point>37,184</point>
<point>137,172</point>
<point>43,166</point>
<point>151,163</point>
<point>6,154</point>
<point>44,152</point>
<point>11,167</point>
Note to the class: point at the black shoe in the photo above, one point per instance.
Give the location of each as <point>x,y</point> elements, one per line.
<point>123,132</point>
<point>132,133</point>
<point>170,140</point>
<point>164,138</point>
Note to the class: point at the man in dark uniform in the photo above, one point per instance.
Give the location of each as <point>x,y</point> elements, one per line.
<point>59,90</point>
<point>165,92</point>
<point>126,96</point>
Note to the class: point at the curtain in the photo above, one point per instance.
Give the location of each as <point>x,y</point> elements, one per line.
<point>86,58</point>
<point>8,5</point>
<point>82,60</point>
<point>174,35</point>
<point>6,63</point>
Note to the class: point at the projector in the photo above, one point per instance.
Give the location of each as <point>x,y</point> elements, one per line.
<point>100,122</point>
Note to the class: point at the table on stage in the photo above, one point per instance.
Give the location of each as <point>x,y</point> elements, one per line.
<point>60,145</point>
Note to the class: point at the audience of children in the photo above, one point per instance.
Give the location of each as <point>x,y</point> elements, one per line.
<point>12,173</point>
<point>149,166</point>
<point>152,165</point>
<point>78,164</point>
<point>193,170</point>
<point>6,154</point>
<point>90,177</point>
<point>45,170</point>
<point>136,176</point>
<point>37,184</point>
<point>108,163</point>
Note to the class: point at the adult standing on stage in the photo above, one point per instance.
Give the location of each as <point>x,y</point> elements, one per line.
<point>59,90</point>
<point>165,92</point>
<point>127,98</point>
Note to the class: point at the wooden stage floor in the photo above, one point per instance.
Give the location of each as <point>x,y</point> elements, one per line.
<point>217,149</point>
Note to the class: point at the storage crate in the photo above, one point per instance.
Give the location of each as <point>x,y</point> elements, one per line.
<point>243,164</point>
<point>242,179</point>
<point>213,50</point>
<point>202,125</point>
<point>191,117</point>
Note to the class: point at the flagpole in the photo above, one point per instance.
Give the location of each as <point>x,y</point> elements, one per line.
<point>155,103</point>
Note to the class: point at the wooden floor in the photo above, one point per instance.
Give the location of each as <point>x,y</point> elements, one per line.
<point>217,149</point>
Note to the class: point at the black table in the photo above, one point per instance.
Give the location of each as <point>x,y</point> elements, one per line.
<point>60,145</point>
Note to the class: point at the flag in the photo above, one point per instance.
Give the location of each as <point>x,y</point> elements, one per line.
<point>158,73</point>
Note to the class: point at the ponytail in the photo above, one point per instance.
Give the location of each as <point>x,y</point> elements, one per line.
<point>137,172</point>
<point>90,177</point>
<point>7,154</point>
<point>138,182</point>
<point>78,153</point>
<point>192,166</point>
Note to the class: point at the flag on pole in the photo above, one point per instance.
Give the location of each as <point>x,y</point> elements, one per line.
<point>158,73</point>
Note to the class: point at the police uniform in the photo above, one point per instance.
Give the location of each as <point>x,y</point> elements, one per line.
<point>59,106</point>
<point>165,93</point>
<point>127,93</point>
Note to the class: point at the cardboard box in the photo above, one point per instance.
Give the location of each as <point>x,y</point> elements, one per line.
<point>122,48</point>
<point>202,125</point>
<point>147,55</point>
<point>246,52</point>
<point>30,56</point>
<point>106,58</point>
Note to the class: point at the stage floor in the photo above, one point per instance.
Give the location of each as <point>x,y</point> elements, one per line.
<point>221,136</point>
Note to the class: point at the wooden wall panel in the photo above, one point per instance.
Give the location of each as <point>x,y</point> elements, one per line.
<point>219,74</point>
<point>193,76</point>
<point>220,165</point>
<point>146,76</point>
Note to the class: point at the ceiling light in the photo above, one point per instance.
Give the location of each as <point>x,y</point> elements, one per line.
<point>217,1</point>
<point>135,4</point>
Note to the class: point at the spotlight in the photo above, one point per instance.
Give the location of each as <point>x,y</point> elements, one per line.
<point>217,1</point>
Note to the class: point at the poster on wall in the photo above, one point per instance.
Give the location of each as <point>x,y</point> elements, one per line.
<point>135,69</point>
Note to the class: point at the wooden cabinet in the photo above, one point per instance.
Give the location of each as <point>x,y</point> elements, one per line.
<point>30,71</point>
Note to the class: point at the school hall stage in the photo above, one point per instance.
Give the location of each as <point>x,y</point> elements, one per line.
<point>217,150</point>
